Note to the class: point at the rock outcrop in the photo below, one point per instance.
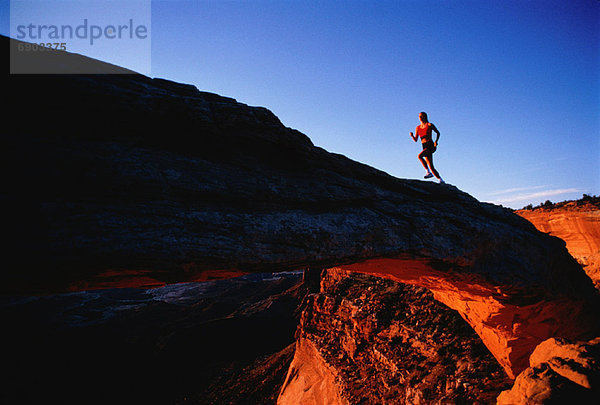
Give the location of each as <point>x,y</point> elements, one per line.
<point>124,174</point>
<point>511,320</point>
<point>559,372</point>
<point>367,340</point>
<point>578,224</point>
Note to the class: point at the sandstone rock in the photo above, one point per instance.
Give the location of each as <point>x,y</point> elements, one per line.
<point>367,340</point>
<point>257,383</point>
<point>578,362</point>
<point>579,226</point>
<point>310,380</point>
<point>511,321</point>
<point>559,372</point>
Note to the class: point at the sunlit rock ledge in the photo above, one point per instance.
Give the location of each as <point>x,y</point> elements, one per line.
<point>510,322</point>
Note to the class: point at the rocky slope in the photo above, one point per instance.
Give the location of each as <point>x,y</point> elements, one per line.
<point>578,224</point>
<point>128,172</point>
<point>123,178</point>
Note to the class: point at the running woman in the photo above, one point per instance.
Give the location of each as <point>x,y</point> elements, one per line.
<point>424,131</point>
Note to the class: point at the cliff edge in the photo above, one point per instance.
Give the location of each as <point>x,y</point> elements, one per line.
<point>578,224</point>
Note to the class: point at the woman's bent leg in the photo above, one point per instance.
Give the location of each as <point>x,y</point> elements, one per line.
<point>429,160</point>
<point>422,159</point>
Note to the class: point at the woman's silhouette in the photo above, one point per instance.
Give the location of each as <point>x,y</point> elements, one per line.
<point>424,130</point>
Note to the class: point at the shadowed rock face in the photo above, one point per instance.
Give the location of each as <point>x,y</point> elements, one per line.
<point>128,173</point>
<point>189,343</point>
<point>578,224</point>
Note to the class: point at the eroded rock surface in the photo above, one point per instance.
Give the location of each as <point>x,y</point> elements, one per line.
<point>560,372</point>
<point>364,339</point>
<point>511,321</point>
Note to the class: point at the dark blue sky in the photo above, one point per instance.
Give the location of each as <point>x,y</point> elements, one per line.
<point>513,86</point>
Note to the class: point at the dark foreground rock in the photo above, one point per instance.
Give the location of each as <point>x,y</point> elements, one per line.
<point>185,343</point>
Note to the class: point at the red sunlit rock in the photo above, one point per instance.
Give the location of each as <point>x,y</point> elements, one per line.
<point>560,372</point>
<point>364,339</point>
<point>579,226</point>
<point>509,320</point>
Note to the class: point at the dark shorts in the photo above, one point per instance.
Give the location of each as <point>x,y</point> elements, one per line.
<point>429,146</point>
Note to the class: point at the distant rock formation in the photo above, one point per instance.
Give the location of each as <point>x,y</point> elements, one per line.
<point>156,179</point>
<point>578,224</point>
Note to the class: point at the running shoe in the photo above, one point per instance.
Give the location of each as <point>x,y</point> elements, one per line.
<point>428,176</point>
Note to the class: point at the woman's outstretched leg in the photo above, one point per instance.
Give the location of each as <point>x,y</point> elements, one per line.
<point>422,157</point>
